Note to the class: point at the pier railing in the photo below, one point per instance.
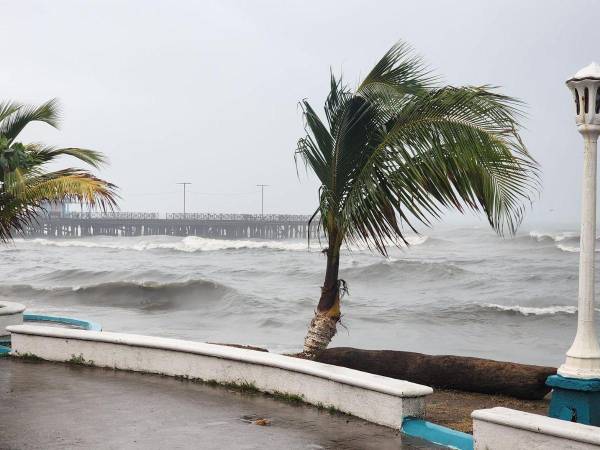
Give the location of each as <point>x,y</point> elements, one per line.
<point>280,218</point>
<point>238,217</point>
<point>108,215</point>
<point>234,226</point>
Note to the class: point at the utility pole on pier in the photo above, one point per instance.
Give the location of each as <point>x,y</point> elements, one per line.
<point>262,198</point>
<point>184,185</point>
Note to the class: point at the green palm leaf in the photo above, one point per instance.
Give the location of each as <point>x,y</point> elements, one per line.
<point>25,184</point>
<point>400,150</point>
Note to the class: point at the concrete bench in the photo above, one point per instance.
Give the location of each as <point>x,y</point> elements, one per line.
<point>375,398</point>
<point>504,428</point>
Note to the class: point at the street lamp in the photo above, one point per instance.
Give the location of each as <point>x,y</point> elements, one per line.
<point>576,395</point>
<point>583,358</point>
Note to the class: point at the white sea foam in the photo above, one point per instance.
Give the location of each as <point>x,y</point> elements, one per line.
<point>568,248</point>
<point>534,311</point>
<point>571,249</point>
<point>559,238</point>
<point>191,244</point>
<point>186,244</point>
<point>556,237</point>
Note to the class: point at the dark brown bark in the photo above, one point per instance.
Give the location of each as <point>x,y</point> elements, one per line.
<point>323,325</point>
<point>330,289</point>
<point>446,371</point>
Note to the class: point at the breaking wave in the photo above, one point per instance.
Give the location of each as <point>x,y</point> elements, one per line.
<point>406,268</point>
<point>566,241</point>
<point>147,295</point>
<point>532,310</point>
<point>475,311</point>
<point>191,244</point>
<point>556,237</point>
<point>186,244</point>
<point>568,248</point>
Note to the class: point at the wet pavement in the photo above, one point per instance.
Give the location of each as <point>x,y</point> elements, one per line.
<point>56,406</point>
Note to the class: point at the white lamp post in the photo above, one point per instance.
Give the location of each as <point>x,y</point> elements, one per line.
<point>583,358</point>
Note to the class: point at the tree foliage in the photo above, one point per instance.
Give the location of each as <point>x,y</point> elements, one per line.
<point>25,183</point>
<point>400,149</point>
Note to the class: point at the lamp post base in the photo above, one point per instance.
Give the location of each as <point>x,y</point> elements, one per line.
<point>581,368</point>
<point>575,400</point>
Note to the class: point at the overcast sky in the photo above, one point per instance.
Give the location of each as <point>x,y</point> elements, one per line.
<point>207,91</point>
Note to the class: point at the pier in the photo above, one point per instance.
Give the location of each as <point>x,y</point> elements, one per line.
<point>223,226</point>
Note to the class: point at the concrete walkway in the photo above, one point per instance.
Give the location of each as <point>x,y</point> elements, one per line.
<point>55,406</point>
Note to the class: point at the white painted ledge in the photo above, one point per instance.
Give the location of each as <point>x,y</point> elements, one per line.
<point>503,428</point>
<point>378,399</point>
<point>10,314</point>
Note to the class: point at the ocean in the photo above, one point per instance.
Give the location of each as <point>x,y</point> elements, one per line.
<point>461,291</point>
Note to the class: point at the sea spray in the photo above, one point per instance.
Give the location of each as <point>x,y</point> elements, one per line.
<point>192,244</point>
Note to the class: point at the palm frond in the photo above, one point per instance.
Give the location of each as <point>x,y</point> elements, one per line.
<point>70,185</point>
<point>7,108</point>
<point>13,124</point>
<point>43,154</point>
<point>400,150</point>
<point>26,186</point>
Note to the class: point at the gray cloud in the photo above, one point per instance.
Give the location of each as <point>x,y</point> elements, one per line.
<point>207,92</point>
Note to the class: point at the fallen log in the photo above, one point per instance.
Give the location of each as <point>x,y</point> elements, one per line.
<point>447,372</point>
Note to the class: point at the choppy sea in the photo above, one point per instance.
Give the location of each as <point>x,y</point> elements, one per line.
<point>459,291</point>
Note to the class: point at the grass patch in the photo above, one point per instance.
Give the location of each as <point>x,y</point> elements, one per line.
<point>28,356</point>
<point>243,386</point>
<point>80,360</point>
<point>288,398</point>
<point>246,387</point>
<point>329,408</point>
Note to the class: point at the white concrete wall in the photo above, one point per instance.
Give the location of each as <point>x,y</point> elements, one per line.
<point>10,314</point>
<point>378,399</point>
<point>504,428</point>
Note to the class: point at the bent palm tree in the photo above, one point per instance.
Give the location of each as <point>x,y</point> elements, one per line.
<point>398,151</point>
<point>25,185</point>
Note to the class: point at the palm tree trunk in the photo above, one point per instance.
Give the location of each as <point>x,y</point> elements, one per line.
<point>322,327</point>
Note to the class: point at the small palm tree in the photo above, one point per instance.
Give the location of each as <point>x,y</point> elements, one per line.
<point>398,151</point>
<point>25,185</point>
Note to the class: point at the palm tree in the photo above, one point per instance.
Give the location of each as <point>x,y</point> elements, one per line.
<point>398,151</point>
<point>25,185</point>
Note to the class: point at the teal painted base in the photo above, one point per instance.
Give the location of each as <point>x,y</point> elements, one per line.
<point>575,400</point>
<point>80,323</point>
<point>437,434</point>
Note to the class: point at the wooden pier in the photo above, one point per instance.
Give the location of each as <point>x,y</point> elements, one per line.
<point>223,226</point>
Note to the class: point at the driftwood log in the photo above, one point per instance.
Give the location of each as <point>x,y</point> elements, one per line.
<point>447,372</point>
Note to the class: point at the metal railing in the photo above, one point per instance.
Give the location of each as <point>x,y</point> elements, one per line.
<point>279,218</point>
<point>110,215</point>
<point>239,217</point>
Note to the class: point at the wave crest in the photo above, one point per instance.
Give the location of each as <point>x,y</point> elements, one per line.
<point>405,267</point>
<point>144,295</point>
<point>556,237</point>
<point>190,244</point>
<point>566,241</point>
<point>186,244</point>
<point>533,310</point>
